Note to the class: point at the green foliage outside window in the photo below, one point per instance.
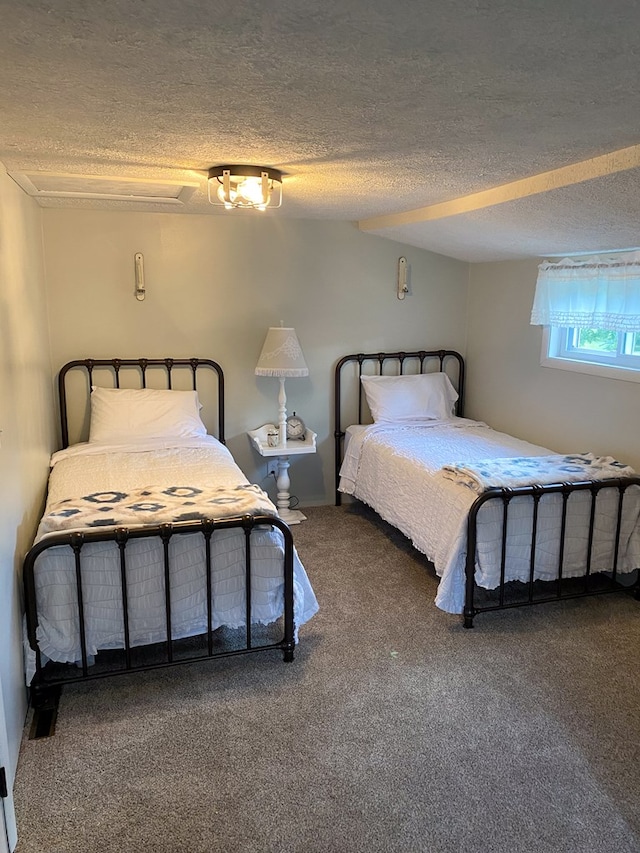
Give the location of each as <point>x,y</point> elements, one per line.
<point>597,339</point>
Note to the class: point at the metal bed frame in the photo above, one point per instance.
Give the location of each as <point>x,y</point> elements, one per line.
<point>535,591</point>
<point>48,680</point>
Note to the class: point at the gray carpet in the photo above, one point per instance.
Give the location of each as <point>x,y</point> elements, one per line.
<point>393,730</point>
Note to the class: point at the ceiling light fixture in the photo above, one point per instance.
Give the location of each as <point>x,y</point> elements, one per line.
<point>247,187</point>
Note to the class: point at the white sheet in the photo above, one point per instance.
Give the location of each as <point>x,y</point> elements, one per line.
<point>83,469</point>
<point>396,470</point>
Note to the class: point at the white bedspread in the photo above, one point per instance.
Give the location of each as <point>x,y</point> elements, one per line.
<point>91,468</point>
<point>397,471</point>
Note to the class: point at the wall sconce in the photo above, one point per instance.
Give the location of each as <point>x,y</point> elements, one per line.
<point>246,187</point>
<point>139,267</point>
<point>403,287</point>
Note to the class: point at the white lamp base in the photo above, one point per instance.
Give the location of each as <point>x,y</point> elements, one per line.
<point>292,516</point>
<point>282,415</point>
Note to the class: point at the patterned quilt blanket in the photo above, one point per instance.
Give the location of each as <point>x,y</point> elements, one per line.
<point>155,505</point>
<point>512,472</point>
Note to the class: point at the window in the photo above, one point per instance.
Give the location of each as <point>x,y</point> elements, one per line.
<point>598,351</point>
<point>590,310</point>
<point>600,346</point>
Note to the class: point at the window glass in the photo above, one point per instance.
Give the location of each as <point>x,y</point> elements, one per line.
<point>594,340</point>
<point>596,351</point>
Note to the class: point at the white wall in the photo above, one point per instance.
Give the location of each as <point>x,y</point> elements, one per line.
<point>215,284</point>
<point>26,421</point>
<point>507,387</point>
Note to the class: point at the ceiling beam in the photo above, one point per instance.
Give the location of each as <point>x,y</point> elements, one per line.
<point>577,173</point>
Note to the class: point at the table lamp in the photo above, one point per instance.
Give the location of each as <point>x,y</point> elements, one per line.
<point>281,357</point>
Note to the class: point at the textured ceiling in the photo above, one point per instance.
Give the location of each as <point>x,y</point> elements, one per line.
<point>371,108</point>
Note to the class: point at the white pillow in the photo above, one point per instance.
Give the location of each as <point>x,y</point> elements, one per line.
<point>125,414</point>
<point>401,398</point>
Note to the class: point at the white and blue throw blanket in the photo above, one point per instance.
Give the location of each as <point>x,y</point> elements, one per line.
<point>512,472</point>
<point>155,505</point>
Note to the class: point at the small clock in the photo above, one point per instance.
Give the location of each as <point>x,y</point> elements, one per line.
<point>296,428</point>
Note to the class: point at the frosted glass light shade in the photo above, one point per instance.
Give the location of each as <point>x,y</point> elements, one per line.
<point>248,187</point>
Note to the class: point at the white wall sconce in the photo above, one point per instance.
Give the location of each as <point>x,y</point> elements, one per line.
<point>139,267</point>
<point>245,187</point>
<point>403,278</point>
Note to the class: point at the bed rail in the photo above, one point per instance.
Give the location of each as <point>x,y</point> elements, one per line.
<point>48,678</point>
<point>588,584</point>
<point>401,363</point>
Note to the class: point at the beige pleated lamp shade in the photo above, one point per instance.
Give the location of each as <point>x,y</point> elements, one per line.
<point>281,354</point>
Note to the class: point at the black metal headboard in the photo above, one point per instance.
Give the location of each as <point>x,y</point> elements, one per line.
<point>166,372</point>
<point>422,361</point>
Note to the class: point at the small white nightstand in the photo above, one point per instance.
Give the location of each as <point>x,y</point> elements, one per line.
<point>258,439</point>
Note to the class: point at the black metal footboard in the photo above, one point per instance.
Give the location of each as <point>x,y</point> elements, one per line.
<point>49,676</point>
<point>596,577</point>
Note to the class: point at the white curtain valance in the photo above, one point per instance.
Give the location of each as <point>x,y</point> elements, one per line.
<point>589,293</point>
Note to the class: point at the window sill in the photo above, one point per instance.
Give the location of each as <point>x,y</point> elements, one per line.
<point>622,373</point>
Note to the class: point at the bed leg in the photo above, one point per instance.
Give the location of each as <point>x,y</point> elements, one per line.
<point>45,696</point>
<point>44,701</point>
<point>287,652</point>
<point>468,618</point>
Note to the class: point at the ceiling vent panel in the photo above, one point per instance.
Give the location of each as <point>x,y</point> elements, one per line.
<point>54,185</point>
